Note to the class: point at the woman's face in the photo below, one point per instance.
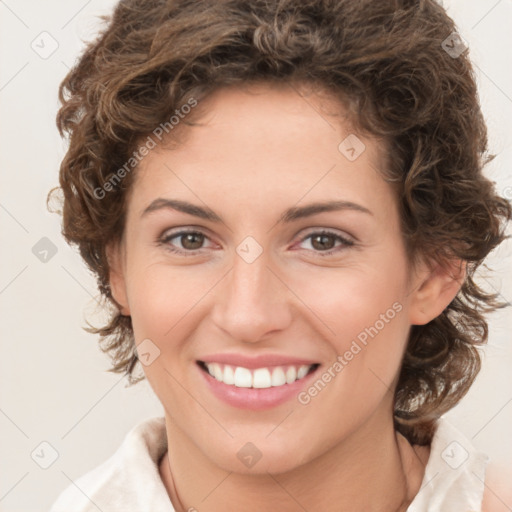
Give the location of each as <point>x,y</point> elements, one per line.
<point>282,255</point>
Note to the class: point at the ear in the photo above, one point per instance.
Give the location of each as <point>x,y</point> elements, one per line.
<point>117,279</point>
<point>434,289</point>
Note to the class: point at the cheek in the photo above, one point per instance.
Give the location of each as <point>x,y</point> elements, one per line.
<point>164,304</point>
<point>365,312</point>
<point>160,297</point>
<point>350,300</point>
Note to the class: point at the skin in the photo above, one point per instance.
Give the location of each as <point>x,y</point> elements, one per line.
<point>256,153</point>
<point>497,493</point>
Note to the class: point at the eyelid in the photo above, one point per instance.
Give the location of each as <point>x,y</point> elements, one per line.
<point>178,230</point>
<point>329,231</point>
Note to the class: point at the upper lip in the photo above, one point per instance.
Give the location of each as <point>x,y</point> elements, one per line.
<point>260,361</point>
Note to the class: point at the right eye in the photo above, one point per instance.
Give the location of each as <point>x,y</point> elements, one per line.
<point>188,241</point>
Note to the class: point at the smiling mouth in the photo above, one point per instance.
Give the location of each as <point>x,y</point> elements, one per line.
<point>257,378</point>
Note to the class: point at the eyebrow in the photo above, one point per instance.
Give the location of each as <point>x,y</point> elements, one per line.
<point>290,215</point>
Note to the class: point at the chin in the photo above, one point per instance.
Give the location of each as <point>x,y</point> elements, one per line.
<point>258,455</point>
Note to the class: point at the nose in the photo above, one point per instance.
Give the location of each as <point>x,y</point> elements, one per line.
<point>252,302</point>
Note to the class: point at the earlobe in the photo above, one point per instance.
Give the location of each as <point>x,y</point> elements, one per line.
<point>117,277</point>
<point>434,292</point>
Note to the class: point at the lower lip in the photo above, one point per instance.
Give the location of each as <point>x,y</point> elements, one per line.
<point>255,399</point>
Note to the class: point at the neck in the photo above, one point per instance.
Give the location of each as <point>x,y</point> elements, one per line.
<point>371,471</point>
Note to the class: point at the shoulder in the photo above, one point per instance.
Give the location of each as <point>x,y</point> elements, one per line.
<point>498,491</point>
<point>125,478</point>
<point>458,473</point>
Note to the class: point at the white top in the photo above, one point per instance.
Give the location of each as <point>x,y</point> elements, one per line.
<point>129,481</point>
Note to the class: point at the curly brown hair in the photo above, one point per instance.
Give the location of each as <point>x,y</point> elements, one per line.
<point>389,63</point>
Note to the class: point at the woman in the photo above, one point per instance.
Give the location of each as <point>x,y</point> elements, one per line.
<point>284,204</point>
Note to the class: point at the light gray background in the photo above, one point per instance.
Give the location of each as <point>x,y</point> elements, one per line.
<point>54,384</point>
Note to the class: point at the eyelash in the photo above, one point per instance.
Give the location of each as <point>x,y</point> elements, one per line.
<point>166,238</point>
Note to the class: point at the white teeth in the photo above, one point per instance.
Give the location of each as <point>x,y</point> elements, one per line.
<point>243,377</point>
<point>217,371</point>
<point>278,377</point>
<point>291,375</point>
<point>259,378</point>
<point>303,371</point>
<point>229,375</point>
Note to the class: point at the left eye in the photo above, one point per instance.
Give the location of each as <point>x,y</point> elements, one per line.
<point>324,242</point>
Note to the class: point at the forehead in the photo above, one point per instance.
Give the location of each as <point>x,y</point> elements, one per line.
<point>264,142</point>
